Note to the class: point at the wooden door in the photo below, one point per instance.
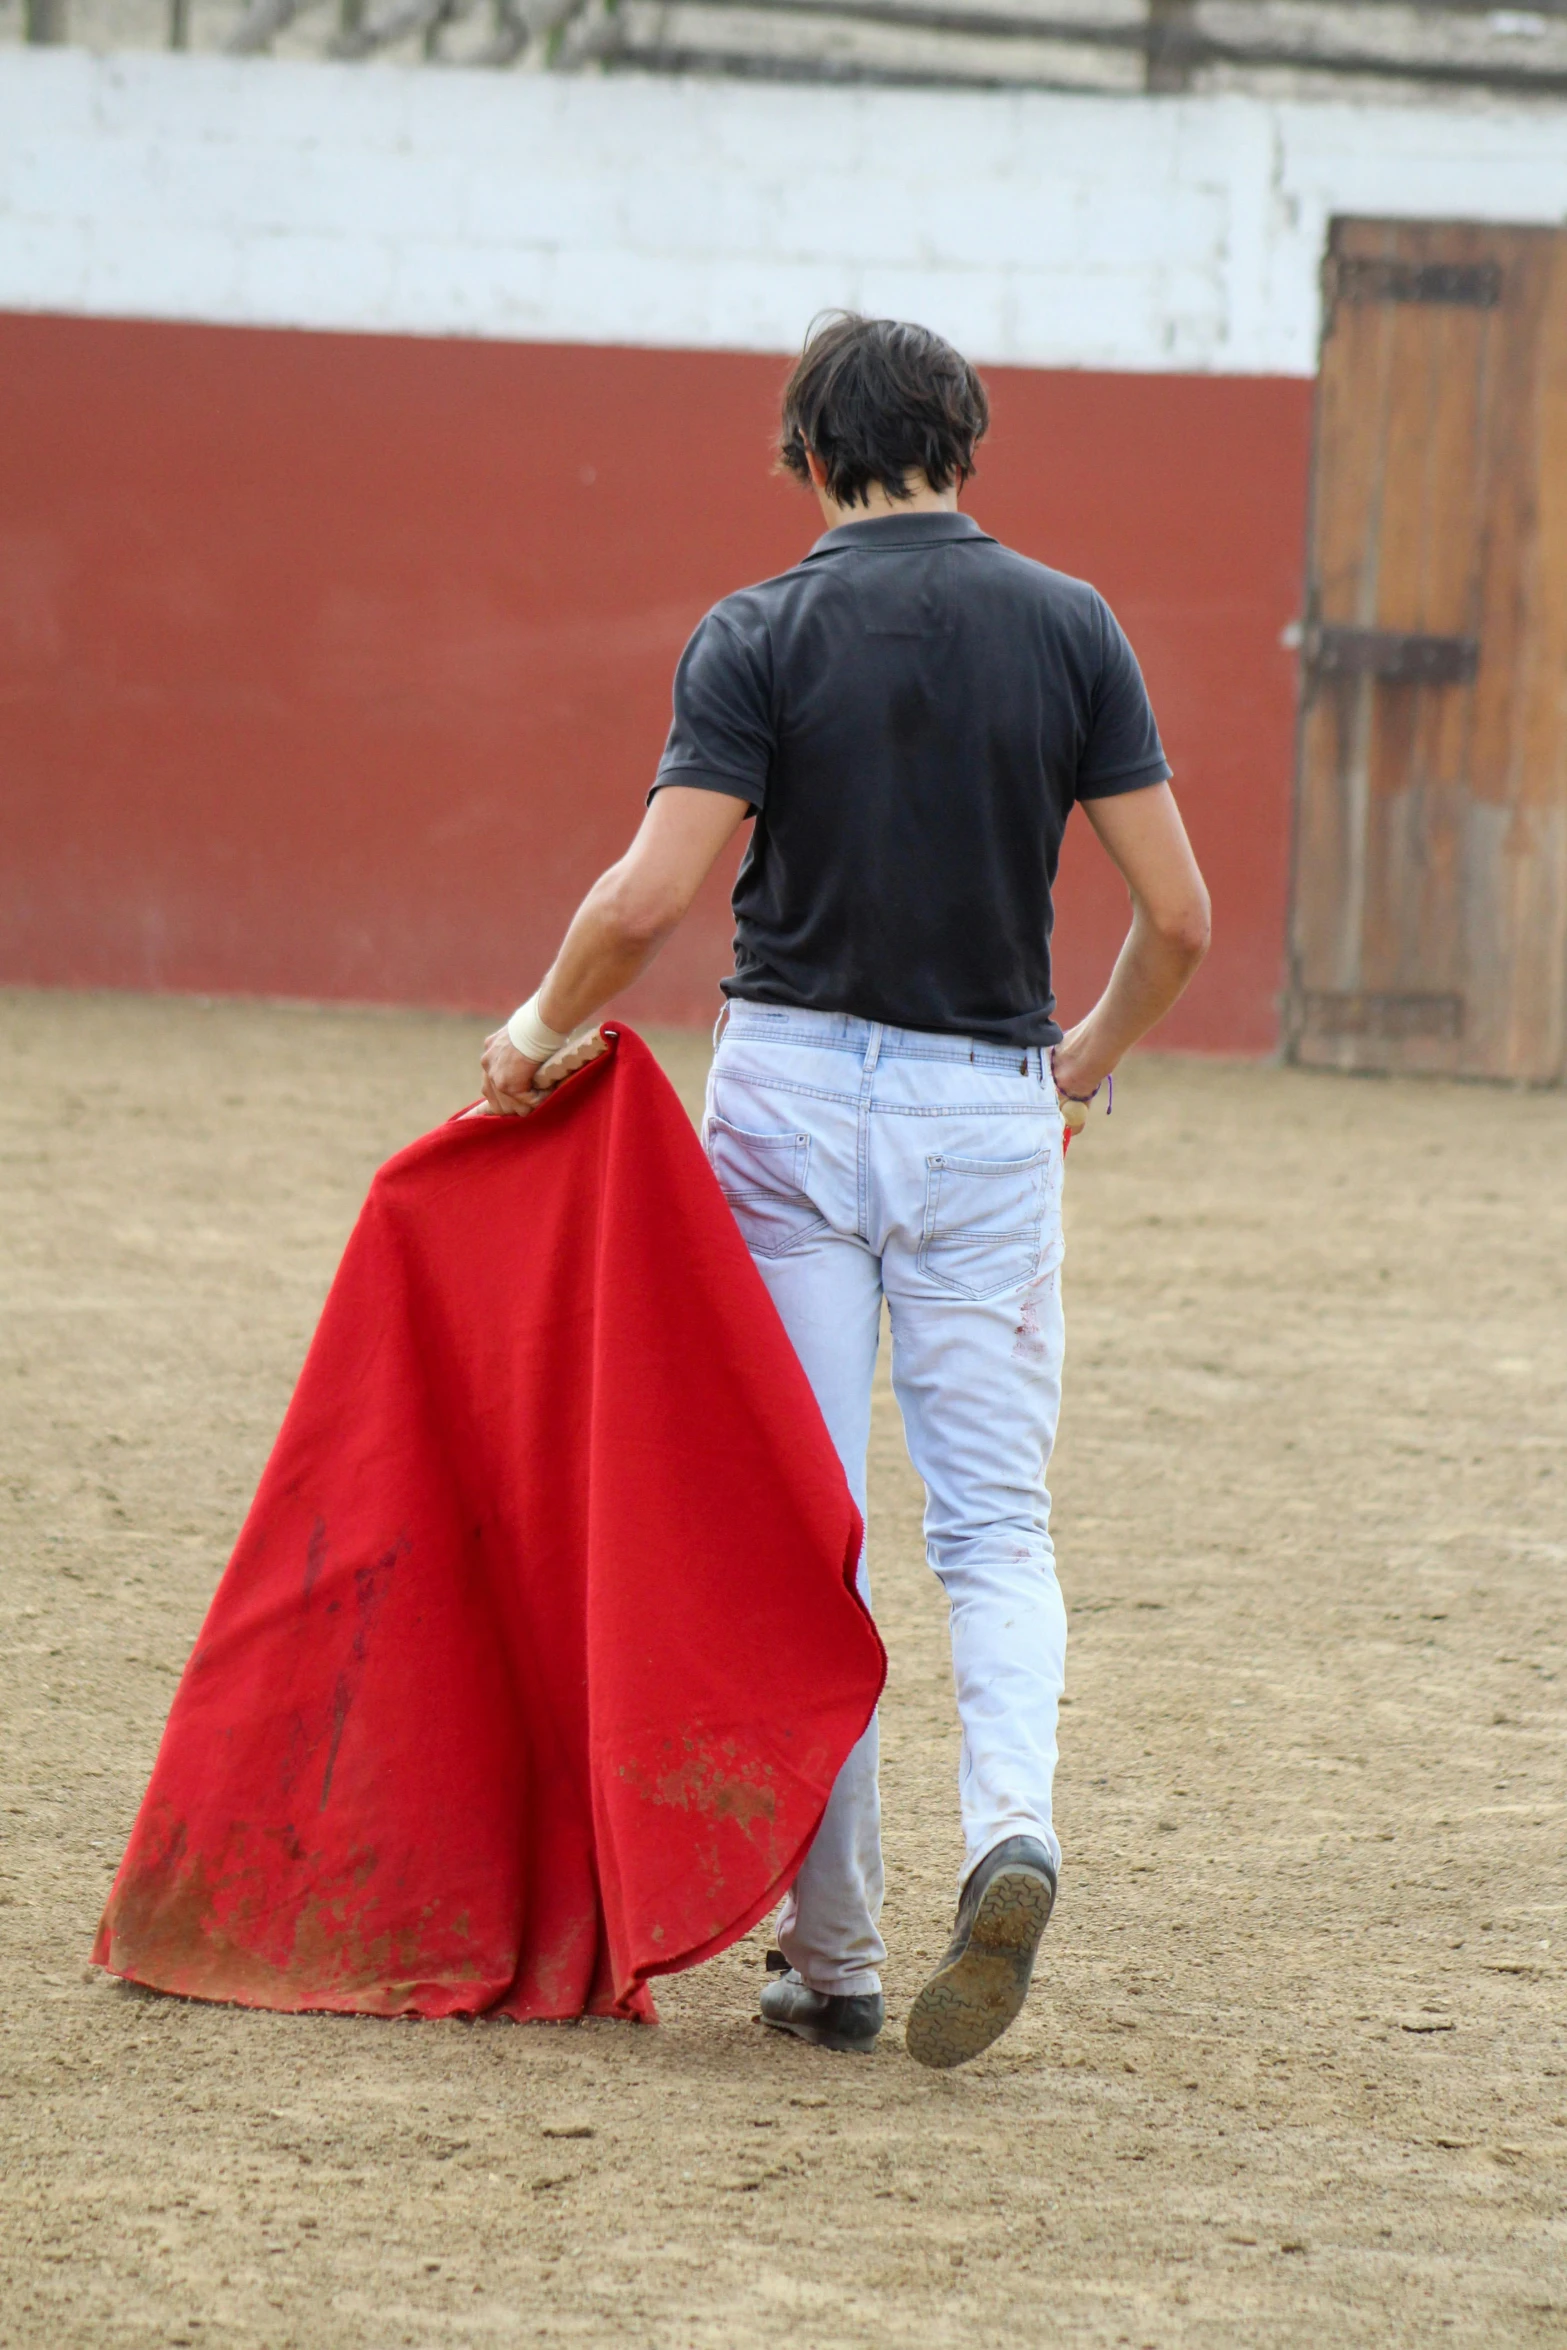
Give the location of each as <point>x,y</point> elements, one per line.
<point>1429,926</point>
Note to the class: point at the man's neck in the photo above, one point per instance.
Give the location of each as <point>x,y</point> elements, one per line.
<point>879,507</point>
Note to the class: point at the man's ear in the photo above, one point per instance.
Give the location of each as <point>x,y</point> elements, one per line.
<point>814,467</point>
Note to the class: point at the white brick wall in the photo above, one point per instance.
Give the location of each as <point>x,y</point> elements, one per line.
<point>1136,233</point>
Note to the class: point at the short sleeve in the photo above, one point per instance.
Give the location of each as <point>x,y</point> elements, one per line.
<point>722,736</point>
<point>1123,751</point>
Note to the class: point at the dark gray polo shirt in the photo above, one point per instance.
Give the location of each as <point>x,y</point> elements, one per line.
<point>910,713</point>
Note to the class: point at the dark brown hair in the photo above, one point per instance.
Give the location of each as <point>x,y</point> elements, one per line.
<point>876,400</point>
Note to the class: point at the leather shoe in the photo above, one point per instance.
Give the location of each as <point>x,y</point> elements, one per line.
<point>828,2019</point>
<point>981,1984</point>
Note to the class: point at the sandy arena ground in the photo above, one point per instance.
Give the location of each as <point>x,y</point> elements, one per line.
<point>1295,2067</point>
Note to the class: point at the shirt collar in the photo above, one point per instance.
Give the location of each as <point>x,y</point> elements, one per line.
<point>898,530</point>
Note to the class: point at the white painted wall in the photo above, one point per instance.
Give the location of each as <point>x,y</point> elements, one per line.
<point>1054,231</point>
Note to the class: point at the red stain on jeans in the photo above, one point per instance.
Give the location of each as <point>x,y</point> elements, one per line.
<point>1029,1342</point>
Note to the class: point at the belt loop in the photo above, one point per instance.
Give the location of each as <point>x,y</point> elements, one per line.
<point>720,1024</point>
<point>873,1048</point>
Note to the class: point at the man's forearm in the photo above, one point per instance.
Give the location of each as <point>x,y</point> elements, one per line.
<point>614,934</point>
<point>1146,840</point>
<point>1150,973</point>
<point>602,952</point>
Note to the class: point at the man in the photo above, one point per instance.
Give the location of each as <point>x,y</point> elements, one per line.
<point>909,716</point>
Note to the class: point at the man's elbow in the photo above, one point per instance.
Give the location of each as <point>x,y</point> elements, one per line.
<point>1186,927</point>
<point>638,914</point>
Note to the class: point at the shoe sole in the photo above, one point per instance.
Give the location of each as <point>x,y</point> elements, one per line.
<point>967,2005</point>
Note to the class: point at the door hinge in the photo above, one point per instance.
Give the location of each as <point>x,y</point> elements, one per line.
<point>1365,277</point>
<point>1326,1014</point>
<point>1394,654</point>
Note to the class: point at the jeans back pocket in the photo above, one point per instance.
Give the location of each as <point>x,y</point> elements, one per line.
<point>984,1222</point>
<point>763,1177</point>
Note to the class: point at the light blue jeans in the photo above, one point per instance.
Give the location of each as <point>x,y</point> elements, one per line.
<point>864,1162</point>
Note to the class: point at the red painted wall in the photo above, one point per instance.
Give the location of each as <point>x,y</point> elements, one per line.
<point>336,665</point>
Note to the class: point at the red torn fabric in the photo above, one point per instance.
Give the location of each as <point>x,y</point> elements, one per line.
<point>539,1651</point>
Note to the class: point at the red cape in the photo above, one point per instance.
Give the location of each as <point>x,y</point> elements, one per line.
<point>539,1652</point>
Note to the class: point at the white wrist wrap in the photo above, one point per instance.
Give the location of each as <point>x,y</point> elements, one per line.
<point>531,1036</point>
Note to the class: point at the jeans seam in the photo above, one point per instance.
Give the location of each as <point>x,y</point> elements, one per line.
<point>1002,1063</point>
<point>798,1042</point>
<point>978,1052</point>
<point>822,1093</point>
<point>819,1093</point>
<point>862,1137</point>
<point>960,1110</point>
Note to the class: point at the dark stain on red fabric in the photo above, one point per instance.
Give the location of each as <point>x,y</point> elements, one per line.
<point>315,1555</point>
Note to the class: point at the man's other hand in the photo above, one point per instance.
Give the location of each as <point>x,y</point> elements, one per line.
<point>1078,1069</point>
<point>508,1079</point>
